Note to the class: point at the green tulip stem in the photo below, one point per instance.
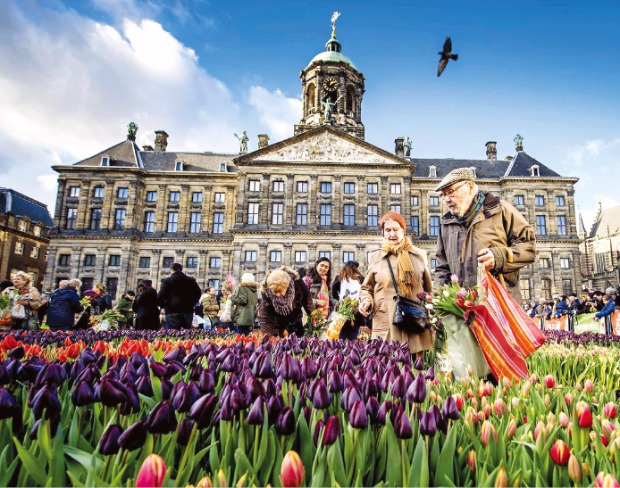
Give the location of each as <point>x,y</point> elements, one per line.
<point>241,432</point>
<point>189,446</point>
<point>256,434</point>
<point>402,460</point>
<point>356,434</point>
<point>105,467</point>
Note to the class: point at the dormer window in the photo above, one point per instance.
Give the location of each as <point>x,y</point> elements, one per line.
<point>473,170</point>
<point>432,172</point>
<point>178,166</point>
<point>105,161</point>
<point>222,167</point>
<point>22,226</point>
<point>535,170</point>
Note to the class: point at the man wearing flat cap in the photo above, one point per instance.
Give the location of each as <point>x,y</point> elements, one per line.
<point>481,228</point>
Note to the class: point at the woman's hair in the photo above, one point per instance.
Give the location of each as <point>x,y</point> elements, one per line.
<point>101,287</point>
<point>27,278</point>
<point>75,283</point>
<point>314,275</point>
<point>278,279</point>
<point>351,271</point>
<point>247,278</point>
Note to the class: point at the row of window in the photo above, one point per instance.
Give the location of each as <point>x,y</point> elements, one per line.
<point>324,187</point>
<point>545,263</point>
<point>151,196</point>
<point>22,226</point>
<point>545,288</point>
<point>89,260</point>
<point>541,225</point>
<point>19,249</point>
<point>539,200</point>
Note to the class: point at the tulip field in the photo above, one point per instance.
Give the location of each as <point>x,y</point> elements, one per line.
<point>179,408</point>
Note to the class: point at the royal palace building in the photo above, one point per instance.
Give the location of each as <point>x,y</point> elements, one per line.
<point>128,213</point>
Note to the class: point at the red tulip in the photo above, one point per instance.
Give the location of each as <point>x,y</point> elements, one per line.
<point>292,471</point>
<point>560,453</point>
<point>152,472</point>
<point>486,430</point>
<point>469,303</point>
<point>458,398</point>
<point>568,398</point>
<point>549,381</point>
<point>460,302</point>
<point>610,410</point>
<point>584,415</point>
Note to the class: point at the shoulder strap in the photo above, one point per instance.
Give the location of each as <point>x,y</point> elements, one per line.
<point>392,273</point>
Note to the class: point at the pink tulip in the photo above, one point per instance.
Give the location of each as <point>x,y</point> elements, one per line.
<point>515,403</point>
<point>564,420</point>
<point>549,381</point>
<point>605,480</point>
<point>152,472</point>
<point>454,278</point>
<point>499,406</point>
<point>292,471</point>
<point>568,398</point>
<point>486,430</point>
<point>610,410</point>
<point>540,429</point>
<point>511,429</point>
<point>588,386</point>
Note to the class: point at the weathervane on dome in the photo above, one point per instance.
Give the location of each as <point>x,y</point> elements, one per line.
<point>335,16</point>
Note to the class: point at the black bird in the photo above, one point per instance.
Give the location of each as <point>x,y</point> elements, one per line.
<point>446,54</point>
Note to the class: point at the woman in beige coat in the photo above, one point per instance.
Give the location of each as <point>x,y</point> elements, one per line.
<point>412,276</point>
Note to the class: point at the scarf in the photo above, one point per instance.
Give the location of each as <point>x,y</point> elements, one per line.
<point>407,278</point>
<point>473,210</point>
<point>283,305</point>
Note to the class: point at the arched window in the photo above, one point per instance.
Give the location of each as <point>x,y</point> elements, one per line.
<point>350,107</point>
<point>310,98</point>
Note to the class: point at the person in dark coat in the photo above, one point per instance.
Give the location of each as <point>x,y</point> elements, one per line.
<point>178,296</point>
<point>146,311</point>
<point>100,301</point>
<point>245,299</point>
<point>64,303</point>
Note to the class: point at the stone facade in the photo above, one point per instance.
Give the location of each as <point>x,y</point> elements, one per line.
<point>126,214</point>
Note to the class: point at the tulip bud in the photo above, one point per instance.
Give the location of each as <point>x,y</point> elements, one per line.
<point>161,420</point>
<point>202,410</point>
<point>428,426</point>
<point>549,381</point>
<point>511,429</point>
<point>459,400</point>
<point>8,404</point>
<point>134,437</point>
<point>607,427</point>
<point>292,470</point>
<point>540,429</point>
<point>605,480</point>
<point>486,430</point>
<point>515,403</point>
<point>255,415</point>
<point>285,425</point>
<point>152,472</point>
<point>547,400</point>
<point>560,453</point>
<point>402,426</point>
<point>450,409</point>
<point>205,483</point>
<point>574,469</point>
<point>584,415</point>
<point>564,420</point>
<point>588,386</point>
<point>417,390</point>
<point>499,406</point>
<point>359,416</point>
<point>332,430</point>
<point>108,444</point>
<point>568,398</point>
<point>471,460</point>
<point>507,382</point>
<point>501,481</point>
<point>610,410</point>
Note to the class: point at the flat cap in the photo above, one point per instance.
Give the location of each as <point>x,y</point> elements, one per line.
<point>456,175</point>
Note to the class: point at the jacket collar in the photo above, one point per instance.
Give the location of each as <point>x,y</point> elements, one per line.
<point>490,206</point>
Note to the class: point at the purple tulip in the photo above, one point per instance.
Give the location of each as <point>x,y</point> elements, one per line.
<point>349,397</point>
<point>46,399</point>
<point>158,369</point>
<point>255,415</point>
<point>161,420</point>
<point>166,388</point>
<point>8,405</point>
<point>132,404</point>
<point>450,409</point>
<point>398,387</point>
<point>202,410</point>
<point>317,430</point>
<point>428,425</point>
<point>335,383</point>
<point>52,374</point>
<point>321,398</point>
<point>108,444</point>
<point>144,386</point>
<point>255,388</point>
<point>206,383</point>
<point>309,368</point>
<point>275,404</point>
<point>290,369</point>
<point>359,416</point>
<point>350,380</point>
<point>332,430</point>
<point>82,394</point>
<point>175,355</point>
<point>417,390</point>
<point>134,437</point>
<point>17,353</point>
<point>230,364</point>
<point>4,375</point>
<point>370,389</point>
<point>419,364</point>
<point>402,426</point>
<point>28,371</point>
<point>262,367</point>
<point>186,395</point>
<point>184,431</point>
<point>430,374</point>
<point>384,410</point>
<point>143,370</point>
<point>387,380</point>
<point>110,392</point>
<point>285,425</point>
<point>227,412</point>
<point>372,408</point>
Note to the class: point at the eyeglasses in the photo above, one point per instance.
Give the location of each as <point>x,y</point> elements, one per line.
<point>450,193</point>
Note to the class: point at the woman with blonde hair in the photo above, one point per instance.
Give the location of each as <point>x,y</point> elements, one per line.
<point>283,297</point>
<point>25,300</point>
<point>398,268</point>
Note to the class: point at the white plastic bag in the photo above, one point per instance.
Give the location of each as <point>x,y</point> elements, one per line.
<point>227,313</point>
<point>18,312</point>
<point>197,321</point>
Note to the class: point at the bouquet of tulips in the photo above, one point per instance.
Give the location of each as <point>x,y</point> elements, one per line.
<point>452,299</point>
<point>5,309</point>
<point>316,323</point>
<point>105,321</point>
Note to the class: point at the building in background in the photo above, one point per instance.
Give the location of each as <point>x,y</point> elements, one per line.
<point>24,225</point>
<point>600,250</point>
<point>127,213</point>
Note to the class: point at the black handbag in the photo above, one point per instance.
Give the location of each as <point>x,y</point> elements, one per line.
<point>410,316</point>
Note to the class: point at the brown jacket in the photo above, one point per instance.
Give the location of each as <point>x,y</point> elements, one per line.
<point>498,226</point>
<point>379,289</point>
<point>209,305</point>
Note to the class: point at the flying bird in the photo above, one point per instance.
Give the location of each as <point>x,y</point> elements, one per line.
<point>446,54</point>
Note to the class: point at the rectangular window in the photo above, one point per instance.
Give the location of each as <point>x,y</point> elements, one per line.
<point>254,185</point>
<point>395,208</point>
<point>541,225</point>
<point>112,285</point>
<point>278,185</point>
<point>122,192</point>
<point>349,214</point>
<point>145,262</point>
<point>214,283</point>
<point>434,227</point>
<point>373,188</point>
<point>414,201</point>
<point>326,214</point>
<point>253,213</point>
<point>524,286</point>
<point>434,201</point>
<point>194,222</point>
<point>74,191</point>
<point>326,186</point>
<point>191,262</point>
<point>197,196</point>
<point>151,196</point>
<point>540,200</point>
<point>173,221</point>
<point>275,256</point>
<point>567,286</point>
<point>174,196</point>
<point>277,213</point>
<point>301,256</point>
<point>302,187</point>
<point>34,252</point>
<point>415,225</point>
<point>325,254</point>
<point>95,219</point>
<point>71,218</point>
<point>601,264</point>
<point>561,225</point>
<point>119,219</point>
<point>114,260</point>
<point>149,221</point>
<point>545,288</point>
<point>395,188</point>
<point>372,215</point>
<point>98,192</point>
<point>167,263</point>
<point>519,200</point>
<point>544,263</point>
<point>219,197</point>
<point>218,222</point>
<point>565,263</point>
<point>301,214</point>
<point>250,256</point>
<point>64,259</point>
<point>349,187</point>
<point>433,264</point>
<point>215,262</point>
<point>19,248</point>
<point>559,201</point>
<point>22,225</point>
<point>348,256</point>
<point>90,260</point>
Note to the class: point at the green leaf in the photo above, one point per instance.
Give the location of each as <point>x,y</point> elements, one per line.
<point>418,472</point>
<point>6,473</point>
<point>57,463</point>
<point>306,444</point>
<point>84,458</point>
<point>243,466</point>
<point>336,463</point>
<point>445,464</point>
<point>269,460</point>
<point>32,465</point>
<point>393,475</point>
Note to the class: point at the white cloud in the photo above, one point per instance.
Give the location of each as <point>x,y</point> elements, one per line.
<point>275,110</point>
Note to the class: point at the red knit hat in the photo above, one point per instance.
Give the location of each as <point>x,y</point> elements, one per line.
<point>391,215</point>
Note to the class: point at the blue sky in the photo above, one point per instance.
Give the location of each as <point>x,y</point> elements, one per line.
<point>74,73</point>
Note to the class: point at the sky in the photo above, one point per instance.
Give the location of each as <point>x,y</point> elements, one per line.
<point>73,74</point>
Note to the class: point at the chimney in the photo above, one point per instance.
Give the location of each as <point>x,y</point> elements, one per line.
<point>399,150</point>
<point>491,150</point>
<point>146,147</point>
<point>263,140</point>
<point>508,158</point>
<point>518,140</point>
<point>161,140</point>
